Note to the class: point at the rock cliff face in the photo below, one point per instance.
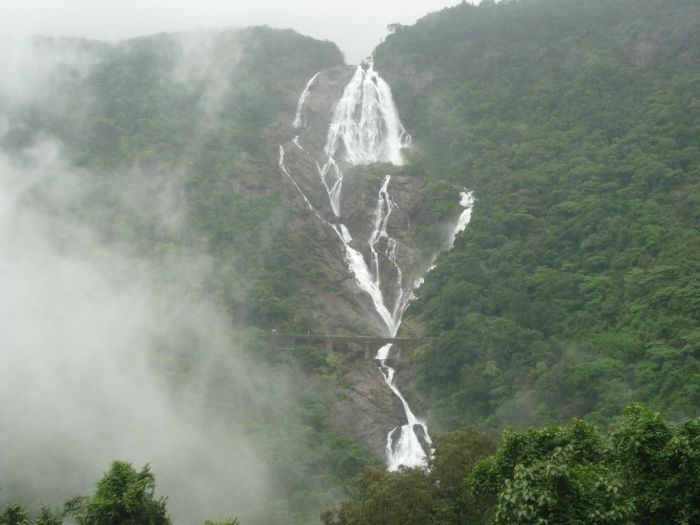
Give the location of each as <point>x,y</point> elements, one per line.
<point>363,408</point>
<point>350,309</point>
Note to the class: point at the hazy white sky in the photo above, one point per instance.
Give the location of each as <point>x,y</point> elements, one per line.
<point>355,25</point>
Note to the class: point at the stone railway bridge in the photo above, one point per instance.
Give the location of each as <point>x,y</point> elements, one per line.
<point>284,341</point>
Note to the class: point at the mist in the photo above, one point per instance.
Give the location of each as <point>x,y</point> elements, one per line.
<point>357,27</point>
<point>80,322</point>
<point>109,351</point>
<point>112,344</point>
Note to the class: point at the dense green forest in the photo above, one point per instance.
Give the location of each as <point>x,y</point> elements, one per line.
<point>573,294</point>
<point>644,472</point>
<point>575,288</point>
<point>201,110</point>
<point>197,115</point>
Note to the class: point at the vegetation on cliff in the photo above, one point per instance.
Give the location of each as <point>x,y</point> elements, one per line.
<point>573,292</point>
<point>166,149</point>
<point>575,289</point>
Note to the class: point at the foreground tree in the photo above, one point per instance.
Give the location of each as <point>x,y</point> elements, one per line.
<point>647,472</point>
<point>124,496</point>
<point>552,475</point>
<point>16,515</point>
<point>421,496</point>
<point>660,466</point>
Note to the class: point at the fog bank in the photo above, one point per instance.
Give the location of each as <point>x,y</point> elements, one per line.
<point>357,27</point>
<point>82,328</point>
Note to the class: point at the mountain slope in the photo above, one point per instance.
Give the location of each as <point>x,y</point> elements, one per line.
<point>149,169</point>
<point>178,154</point>
<point>575,288</point>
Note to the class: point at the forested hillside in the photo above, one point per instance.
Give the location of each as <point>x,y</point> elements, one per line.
<point>201,114</point>
<point>575,289</point>
<point>166,226</point>
<point>153,163</point>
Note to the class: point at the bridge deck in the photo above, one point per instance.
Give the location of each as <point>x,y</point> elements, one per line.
<point>365,340</point>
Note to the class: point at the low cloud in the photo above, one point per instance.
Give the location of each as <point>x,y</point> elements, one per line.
<point>357,27</point>
<point>108,356</point>
<point>205,64</point>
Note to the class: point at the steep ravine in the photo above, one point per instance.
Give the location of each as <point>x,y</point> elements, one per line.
<point>346,169</point>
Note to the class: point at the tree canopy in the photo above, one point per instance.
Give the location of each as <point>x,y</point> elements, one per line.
<point>574,289</point>
<point>645,471</point>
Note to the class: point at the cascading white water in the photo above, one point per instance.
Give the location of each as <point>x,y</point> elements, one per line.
<point>332,180</point>
<point>466,201</point>
<point>409,448</point>
<point>406,449</point>
<point>366,123</point>
<point>299,120</point>
<point>364,278</point>
<point>385,205</point>
<point>282,167</point>
<point>365,128</point>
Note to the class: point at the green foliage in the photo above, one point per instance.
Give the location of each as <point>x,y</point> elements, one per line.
<point>200,131</point>
<point>420,496</point>
<point>16,515</point>
<point>577,125</point>
<point>644,472</point>
<point>384,500</point>
<point>573,474</point>
<point>225,521</point>
<point>175,156</point>
<point>552,475</point>
<point>311,358</point>
<point>124,496</point>
<point>660,465</point>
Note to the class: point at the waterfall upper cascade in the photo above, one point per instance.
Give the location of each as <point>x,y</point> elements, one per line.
<point>365,126</point>
<point>365,129</point>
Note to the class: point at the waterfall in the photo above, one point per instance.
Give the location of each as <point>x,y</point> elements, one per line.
<point>331,170</point>
<point>365,124</point>
<point>282,167</point>
<point>405,449</point>
<point>408,445</point>
<point>466,201</point>
<point>299,120</point>
<point>365,129</point>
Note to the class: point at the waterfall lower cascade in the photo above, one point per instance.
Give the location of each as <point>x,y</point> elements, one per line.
<point>365,129</point>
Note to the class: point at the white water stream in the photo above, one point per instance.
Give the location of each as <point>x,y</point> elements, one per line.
<point>466,201</point>
<point>299,119</point>
<point>365,129</point>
